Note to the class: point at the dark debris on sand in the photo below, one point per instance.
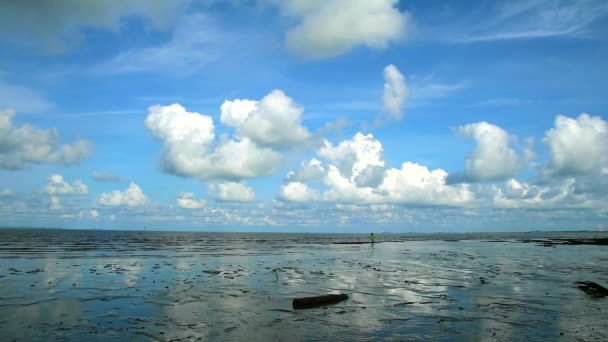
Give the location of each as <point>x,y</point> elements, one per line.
<point>555,242</point>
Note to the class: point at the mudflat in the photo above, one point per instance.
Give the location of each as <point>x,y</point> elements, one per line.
<point>112,285</point>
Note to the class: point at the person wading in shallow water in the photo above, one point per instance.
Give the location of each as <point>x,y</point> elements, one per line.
<point>372,237</point>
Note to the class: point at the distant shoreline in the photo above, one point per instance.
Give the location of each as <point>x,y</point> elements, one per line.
<point>181,230</point>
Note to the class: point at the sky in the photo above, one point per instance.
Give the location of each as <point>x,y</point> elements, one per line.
<point>304,115</point>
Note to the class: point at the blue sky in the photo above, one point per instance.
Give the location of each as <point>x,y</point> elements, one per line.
<point>304,115</point>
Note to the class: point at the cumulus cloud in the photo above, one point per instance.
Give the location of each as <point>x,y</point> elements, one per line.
<point>353,156</point>
<point>577,146</point>
<point>187,200</point>
<point>298,192</point>
<point>416,184</point>
<point>93,213</point>
<point>309,171</point>
<point>356,174</point>
<point>70,154</point>
<point>189,151</point>
<point>555,195</point>
<point>133,196</point>
<point>234,113</point>
<point>395,92</point>
<point>332,27</point>
<point>25,144</point>
<point>234,192</point>
<point>492,158</point>
<point>274,121</point>
<point>57,186</point>
<point>55,23</point>
<point>101,176</point>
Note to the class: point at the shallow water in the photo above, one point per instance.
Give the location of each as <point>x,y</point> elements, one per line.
<point>111,285</point>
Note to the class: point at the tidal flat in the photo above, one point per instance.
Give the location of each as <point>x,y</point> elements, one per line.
<point>167,286</point>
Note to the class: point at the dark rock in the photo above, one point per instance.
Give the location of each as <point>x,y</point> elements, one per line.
<point>317,301</point>
<point>593,289</point>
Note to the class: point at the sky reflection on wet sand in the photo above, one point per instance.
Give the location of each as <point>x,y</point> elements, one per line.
<point>166,286</point>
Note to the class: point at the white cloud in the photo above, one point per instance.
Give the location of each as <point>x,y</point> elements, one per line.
<point>132,197</point>
<point>56,23</point>
<point>234,192</point>
<point>55,203</point>
<point>57,186</point>
<point>309,171</point>
<point>173,124</point>
<point>395,92</point>
<point>555,195</point>
<point>332,27</point>
<point>188,148</point>
<point>491,159</point>
<point>356,173</point>
<point>298,192</point>
<point>243,159</point>
<point>353,156</point>
<point>187,200</point>
<point>93,213</point>
<point>274,121</point>
<point>577,146</point>
<point>7,193</point>
<point>416,184</point>
<point>234,113</point>
<point>70,154</point>
<point>26,144</point>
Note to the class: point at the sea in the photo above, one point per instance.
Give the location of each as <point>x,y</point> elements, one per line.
<point>102,285</point>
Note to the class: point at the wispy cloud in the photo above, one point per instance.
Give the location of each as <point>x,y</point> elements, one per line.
<point>196,41</point>
<point>428,87</point>
<point>21,98</point>
<point>528,20</point>
<point>505,101</point>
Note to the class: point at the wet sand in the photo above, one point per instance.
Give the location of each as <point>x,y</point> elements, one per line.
<point>187,286</point>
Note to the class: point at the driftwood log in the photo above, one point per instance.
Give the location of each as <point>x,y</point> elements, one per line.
<point>593,289</point>
<point>313,302</point>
